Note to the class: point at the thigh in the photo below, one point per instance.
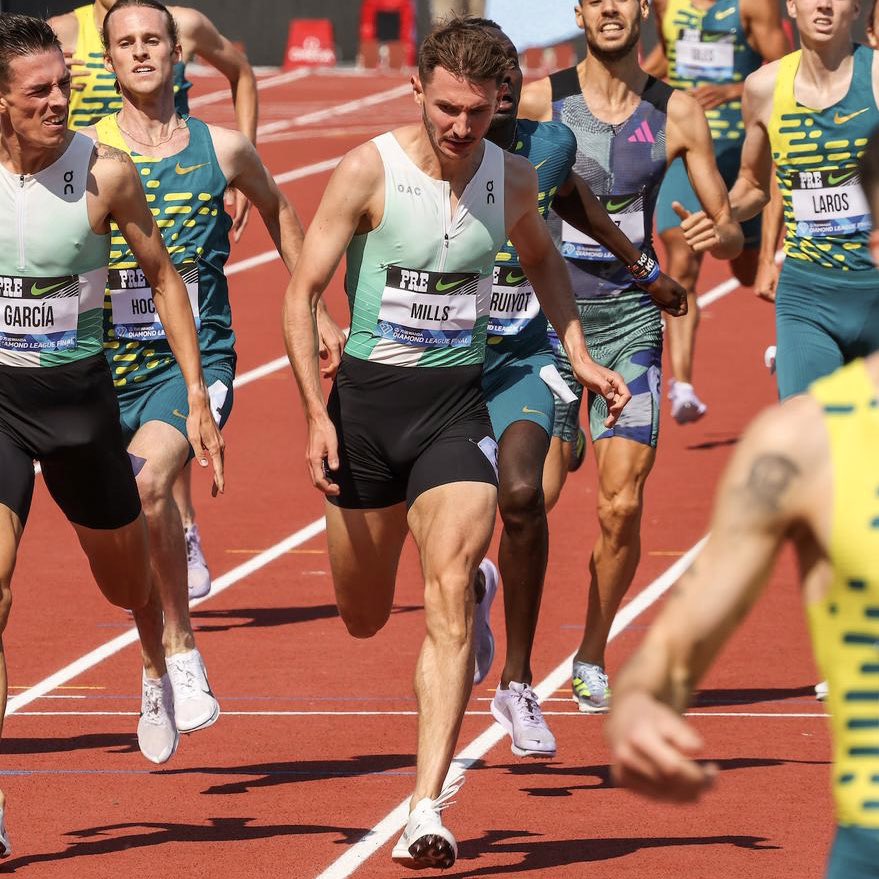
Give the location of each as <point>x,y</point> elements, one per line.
<point>516,392</point>
<point>521,455</point>
<point>623,466</point>
<point>160,452</point>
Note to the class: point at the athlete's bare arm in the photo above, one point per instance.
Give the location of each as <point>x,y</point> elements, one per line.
<point>771,230</point>
<point>763,26</point>
<point>352,204</point>
<point>688,136</point>
<point>751,191</point>
<point>777,485</point>
<point>536,101</point>
<point>120,197</point>
<point>546,270</point>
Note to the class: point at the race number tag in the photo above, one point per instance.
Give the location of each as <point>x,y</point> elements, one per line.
<point>134,311</point>
<point>704,55</point>
<point>627,211</point>
<point>428,309</point>
<point>38,314</point>
<point>513,302</point>
<point>829,202</point>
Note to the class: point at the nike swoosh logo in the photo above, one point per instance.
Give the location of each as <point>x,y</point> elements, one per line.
<point>614,207</point>
<point>442,287</point>
<point>836,177</point>
<point>515,279</point>
<point>178,413</point>
<point>725,14</point>
<point>841,120</point>
<point>181,170</point>
<point>540,164</point>
<point>39,291</point>
<point>528,411</point>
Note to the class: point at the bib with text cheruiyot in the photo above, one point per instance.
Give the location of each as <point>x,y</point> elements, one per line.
<point>513,302</point>
<point>829,202</point>
<point>428,309</point>
<point>39,314</point>
<point>627,211</point>
<point>705,54</point>
<point>134,311</point>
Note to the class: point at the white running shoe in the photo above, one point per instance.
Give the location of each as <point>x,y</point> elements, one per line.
<point>194,704</point>
<point>426,842</point>
<point>769,357</point>
<point>157,734</point>
<point>517,711</point>
<point>821,691</point>
<point>590,687</point>
<point>5,844</point>
<point>686,407</point>
<point>483,638</point>
<point>198,574</point>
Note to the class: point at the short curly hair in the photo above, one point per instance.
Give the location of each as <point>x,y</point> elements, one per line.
<point>463,50</point>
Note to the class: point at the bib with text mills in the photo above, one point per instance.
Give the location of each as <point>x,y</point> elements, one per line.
<point>710,47</point>
<point>185,195</point>
<point>419,284</point>
<point>816,155</point>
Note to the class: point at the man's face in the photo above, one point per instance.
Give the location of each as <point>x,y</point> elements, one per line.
<point>612,27</point>
<point>36,98</point>
<point>511,88</point>
<point>140,51</point>
<point>456,112</point>
<point>823,21</point>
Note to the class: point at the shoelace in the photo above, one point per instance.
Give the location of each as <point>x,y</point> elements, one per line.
<point>153,698</point>
<point>191,545</point>
<point>444,800</point>
<point>595,680</point>
<point>527,707</point>
<point>186,682</point>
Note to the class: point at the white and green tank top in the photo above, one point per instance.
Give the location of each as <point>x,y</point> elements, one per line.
<point>419,285</point>
<point>53,267</point>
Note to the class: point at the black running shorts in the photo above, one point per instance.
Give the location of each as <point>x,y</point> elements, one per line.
<point>66,417</point>
<point>405,430</point>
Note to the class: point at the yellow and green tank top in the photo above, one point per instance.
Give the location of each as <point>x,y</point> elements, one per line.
<point>816,152</point>
<point>845,623</point>
<point>185,195</point>
<point>710,47</point>
<point>99,97</point>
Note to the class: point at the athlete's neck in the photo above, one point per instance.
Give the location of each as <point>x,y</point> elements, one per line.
<point>20,157</point>
<point>825,70</point>
<point>610,87</point>
<point>435,163</point>
<point>151,120</point>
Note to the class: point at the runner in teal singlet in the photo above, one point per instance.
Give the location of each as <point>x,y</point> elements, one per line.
<point>405,443</point>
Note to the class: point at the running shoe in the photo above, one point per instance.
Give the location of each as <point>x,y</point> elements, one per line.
<point>579,453</point>
<point>591,688</point>
<point>483,639</point>
<point>5,844</point>
<point>769,357</point>
<point>426,842</point>
<point>198,574</point>
<point>157,735</point>
<point>686,407</point>
<point>194,704</point>
<point>821,691</point>
<point>517,711</point>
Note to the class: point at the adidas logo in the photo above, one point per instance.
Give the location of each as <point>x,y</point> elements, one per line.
<point>642,134</point>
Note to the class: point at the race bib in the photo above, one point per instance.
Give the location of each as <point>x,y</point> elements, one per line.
<point>704,55</point>
<point>829,202</point>
<point>627,211</point>
<point>38,314</point>
<point>428,309</point>
<point>134,311</point>
<point>513,302</point>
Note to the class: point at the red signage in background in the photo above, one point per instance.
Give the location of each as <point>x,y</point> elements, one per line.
<point>310,44</point>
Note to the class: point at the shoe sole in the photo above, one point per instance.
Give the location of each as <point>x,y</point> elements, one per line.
<point>209,722</point>
<point>586,708</point>
<point>479,678</point>
<point>508,729</point>
<point>427,852</point>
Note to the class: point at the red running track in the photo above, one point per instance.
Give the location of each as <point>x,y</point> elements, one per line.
<point>315,745</point>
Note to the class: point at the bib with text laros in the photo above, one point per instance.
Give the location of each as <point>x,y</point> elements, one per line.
<point>513,302</point>
<point>706,55</point>
<point>134,311</point>
<point>428,309</point>
<point>39,314</point>
<point>627,211</point>
<point>829,202</point>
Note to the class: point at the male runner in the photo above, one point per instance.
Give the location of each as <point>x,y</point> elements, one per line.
<point>519,369</point>
<point>710,46</point>
<point>807,472</point>
<point>629,126</point>
<point>407,442</point>
<point>58,192</point>
<point>185,167</point>
<point>811,114</point>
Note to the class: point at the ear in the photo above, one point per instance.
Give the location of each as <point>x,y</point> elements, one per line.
<point>792,9</point>
<point>178,53</point>
<point>578,14</point>
<point>108,64</point>
<point>417,89</point>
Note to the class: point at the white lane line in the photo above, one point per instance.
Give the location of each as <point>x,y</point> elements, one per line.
<point>727,287</point>
<point>394,821</point>
<point>99,654</point>
<point>261,84</point>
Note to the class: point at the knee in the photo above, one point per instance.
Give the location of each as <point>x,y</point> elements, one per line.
<point>5,603</point>
<point>154,490</point>
<point>521,503</point>
<point>620,511</point>
<point>362,624</point>
<point>448,607</point>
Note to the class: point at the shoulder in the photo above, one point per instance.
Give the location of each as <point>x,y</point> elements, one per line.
<point>558,133</point>
<point>67,28</point>
<point>536,100</point>
<point>227,142</point>
<point>520,178</point>
<point>188,20</point>
<point>112,167</point>
<point>760,85</point>
<point>685,113</point>
<point>90,131</point>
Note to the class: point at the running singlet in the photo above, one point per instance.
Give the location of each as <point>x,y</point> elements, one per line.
<point>53,267</point>
<point>185,195</point>
<point>99,97</point>
<point>516,320</point>
<point>845,623</point>
<point>816,156</point>
<point>419,285</point>
<point>710,47</point>
<point>624,165</point>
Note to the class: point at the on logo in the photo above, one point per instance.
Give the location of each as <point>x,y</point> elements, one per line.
<point>489,191</point>
<point>68,182</point>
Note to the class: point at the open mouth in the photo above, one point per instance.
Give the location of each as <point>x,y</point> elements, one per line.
<point>611,28</point>
<point>55,122</point>
<point>142,69</point>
